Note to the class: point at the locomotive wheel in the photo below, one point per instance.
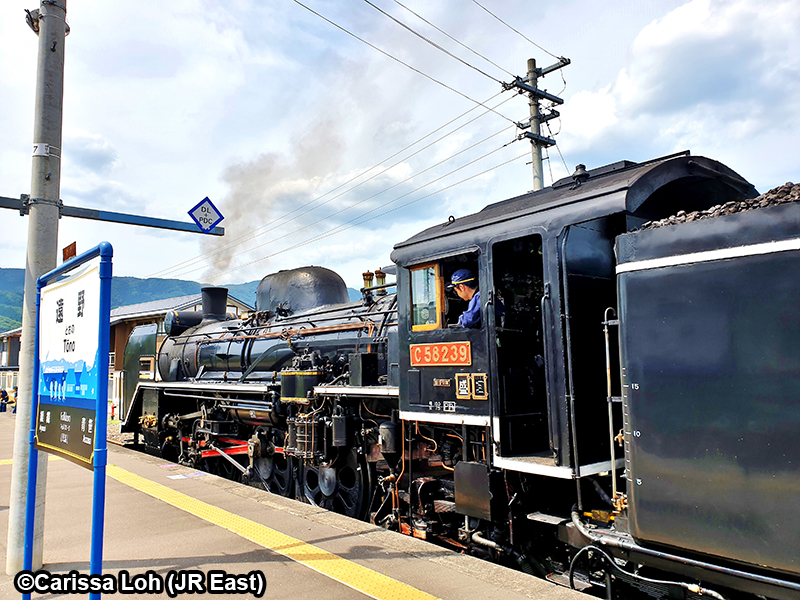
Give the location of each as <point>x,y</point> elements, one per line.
<point>277,472</point>
<point>341,488</point>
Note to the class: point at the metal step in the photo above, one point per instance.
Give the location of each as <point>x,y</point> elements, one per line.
<point>544,518</point>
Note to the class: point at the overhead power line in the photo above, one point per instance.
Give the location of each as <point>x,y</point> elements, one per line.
<point>514,30</point>
<point>431,42</point>
<point>275,223</point>
<point>405,64</point>
<point>566,168</point>
<point>549,165</point>
<point>454,39</point>
<point>350,224</point>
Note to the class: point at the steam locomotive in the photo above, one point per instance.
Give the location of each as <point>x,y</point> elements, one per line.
<point>624,420</point>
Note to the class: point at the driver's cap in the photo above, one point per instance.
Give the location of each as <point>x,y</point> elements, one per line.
<point>461,276</point>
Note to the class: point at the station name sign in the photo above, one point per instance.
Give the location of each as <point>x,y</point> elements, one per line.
<point>69,365</point>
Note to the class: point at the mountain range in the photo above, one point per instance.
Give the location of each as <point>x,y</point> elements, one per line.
<point>124,291</point>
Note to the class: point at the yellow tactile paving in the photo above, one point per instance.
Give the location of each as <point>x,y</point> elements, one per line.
<point>8,461</point>
<point>351,574</point>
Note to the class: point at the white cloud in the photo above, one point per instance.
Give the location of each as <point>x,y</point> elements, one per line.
<point>591,113</point>
<point>713,76</point>
<point>89,154</point>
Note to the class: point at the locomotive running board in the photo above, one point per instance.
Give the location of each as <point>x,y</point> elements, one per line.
<point>207,386</point>
<point>449,419</point>
<point>350,390</point>
<point>538,466</point>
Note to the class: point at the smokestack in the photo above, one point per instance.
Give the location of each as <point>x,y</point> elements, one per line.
<point>215,303</point>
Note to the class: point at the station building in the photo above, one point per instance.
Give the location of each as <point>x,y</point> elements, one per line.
<point>9,359</point>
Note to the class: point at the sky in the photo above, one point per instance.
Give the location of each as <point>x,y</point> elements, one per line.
<point>320,149</point>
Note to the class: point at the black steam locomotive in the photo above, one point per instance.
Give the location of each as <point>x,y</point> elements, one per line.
<point>625,420</point>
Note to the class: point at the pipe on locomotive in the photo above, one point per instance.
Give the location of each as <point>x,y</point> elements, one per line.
<point>614,542</point>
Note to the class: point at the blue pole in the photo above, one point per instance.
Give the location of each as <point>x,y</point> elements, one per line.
<point>33,455</point>
<point>101,422</point>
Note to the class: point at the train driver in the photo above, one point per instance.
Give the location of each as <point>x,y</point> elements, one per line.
<point>464,284</point>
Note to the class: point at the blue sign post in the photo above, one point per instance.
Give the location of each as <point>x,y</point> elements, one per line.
<point>70,384</point>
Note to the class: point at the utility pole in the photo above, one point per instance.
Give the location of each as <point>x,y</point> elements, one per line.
<point>536,130</point>
<point>538,141</point>
<point>49,22</point>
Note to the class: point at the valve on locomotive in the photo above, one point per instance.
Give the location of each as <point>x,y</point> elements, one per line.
<point>341,428</point>
<point>389,438</point>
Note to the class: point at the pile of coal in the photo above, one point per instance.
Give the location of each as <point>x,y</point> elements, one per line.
<point>788,192</point>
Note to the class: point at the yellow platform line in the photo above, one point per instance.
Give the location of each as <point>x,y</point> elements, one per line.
<point>8,461</point>
<point>351,574</point>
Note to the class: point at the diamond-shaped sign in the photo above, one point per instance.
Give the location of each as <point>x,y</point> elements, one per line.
<point>206,215</point>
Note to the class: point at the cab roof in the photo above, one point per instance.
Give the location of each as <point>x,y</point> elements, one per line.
<point>633,182</point>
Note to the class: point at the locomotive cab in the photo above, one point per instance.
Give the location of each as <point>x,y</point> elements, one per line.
<point>492,376</point>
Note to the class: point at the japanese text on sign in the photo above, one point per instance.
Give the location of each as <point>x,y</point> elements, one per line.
<point>69,363</point>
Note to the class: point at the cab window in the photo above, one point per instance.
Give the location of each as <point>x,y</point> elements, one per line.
<point>426,298</point>
<point>432,307</point>
<point>454,305</point>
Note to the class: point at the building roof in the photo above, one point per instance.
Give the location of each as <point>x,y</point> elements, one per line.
<point>11,332</point>
<point>159,307</point>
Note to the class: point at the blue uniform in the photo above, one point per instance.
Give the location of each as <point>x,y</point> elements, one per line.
<point>472,316</point>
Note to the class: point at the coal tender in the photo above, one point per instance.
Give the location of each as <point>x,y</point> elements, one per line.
<point>710,340</point>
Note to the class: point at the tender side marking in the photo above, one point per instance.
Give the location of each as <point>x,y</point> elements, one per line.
<point>709,255</point>
<point>351,574</point>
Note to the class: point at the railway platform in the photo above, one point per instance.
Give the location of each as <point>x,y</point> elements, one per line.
<point>162,518</point>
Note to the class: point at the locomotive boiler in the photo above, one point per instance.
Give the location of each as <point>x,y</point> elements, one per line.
<point>622,420</point>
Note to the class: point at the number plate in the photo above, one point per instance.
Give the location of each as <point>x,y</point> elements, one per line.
<point>453,354</point>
